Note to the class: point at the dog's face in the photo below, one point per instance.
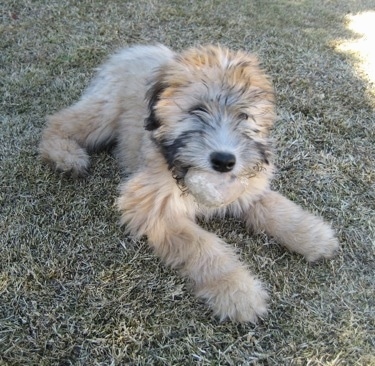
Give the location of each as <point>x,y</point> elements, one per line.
<point>210,112</point>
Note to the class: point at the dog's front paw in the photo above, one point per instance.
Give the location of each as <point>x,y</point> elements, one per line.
<point>237,296</point>
<point>322,242</point>
<point>325,249</point>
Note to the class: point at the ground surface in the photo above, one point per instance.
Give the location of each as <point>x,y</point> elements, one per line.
<point>75,290</point>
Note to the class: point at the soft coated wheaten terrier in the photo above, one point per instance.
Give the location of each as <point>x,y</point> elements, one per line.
<point>191,131</point>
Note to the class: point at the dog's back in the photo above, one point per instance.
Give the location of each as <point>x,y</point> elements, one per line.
<point>113,105</point>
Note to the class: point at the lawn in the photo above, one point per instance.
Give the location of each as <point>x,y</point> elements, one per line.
<point>76,290</point>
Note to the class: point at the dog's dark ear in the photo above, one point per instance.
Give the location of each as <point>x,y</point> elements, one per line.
<point>152,122</point>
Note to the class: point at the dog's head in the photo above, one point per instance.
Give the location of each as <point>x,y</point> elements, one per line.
<point>210,113</point>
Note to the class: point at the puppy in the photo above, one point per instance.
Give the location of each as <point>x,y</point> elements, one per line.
<point>192,134</point>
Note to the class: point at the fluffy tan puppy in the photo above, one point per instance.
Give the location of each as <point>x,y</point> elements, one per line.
<point>191,132</point>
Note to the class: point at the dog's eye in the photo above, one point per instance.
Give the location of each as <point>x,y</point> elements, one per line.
<point>243,116</point>
<point>198,110</point>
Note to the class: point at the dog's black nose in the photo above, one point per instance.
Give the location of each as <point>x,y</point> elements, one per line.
<point>222,161</point>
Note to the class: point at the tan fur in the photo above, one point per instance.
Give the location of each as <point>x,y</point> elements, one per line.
<point>204,100</point>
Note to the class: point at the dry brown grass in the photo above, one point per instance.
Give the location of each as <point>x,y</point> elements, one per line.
<point>74,290</point>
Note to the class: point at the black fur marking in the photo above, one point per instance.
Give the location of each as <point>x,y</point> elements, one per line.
<point>170,150</point>
<point>152,122</point>
<point>264,151</point>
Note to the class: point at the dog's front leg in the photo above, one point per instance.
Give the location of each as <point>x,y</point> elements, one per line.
<point>295,228</point>
<point>219,277</point>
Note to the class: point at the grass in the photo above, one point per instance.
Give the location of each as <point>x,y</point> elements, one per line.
<point>75,290</point>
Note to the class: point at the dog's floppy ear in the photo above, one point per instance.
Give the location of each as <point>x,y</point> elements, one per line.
<point>152,122</point>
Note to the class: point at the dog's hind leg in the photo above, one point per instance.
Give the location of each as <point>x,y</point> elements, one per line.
<point>88,125</point>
